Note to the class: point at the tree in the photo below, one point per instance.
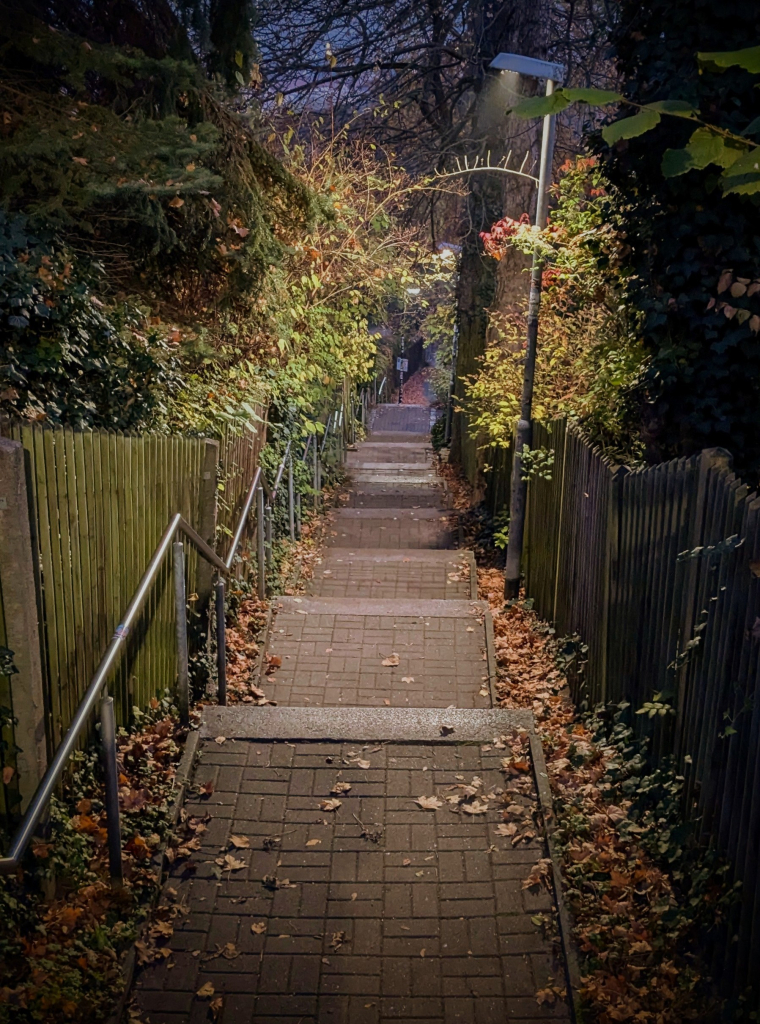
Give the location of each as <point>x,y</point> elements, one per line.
<point>695,250</point>
<point>417,74</point>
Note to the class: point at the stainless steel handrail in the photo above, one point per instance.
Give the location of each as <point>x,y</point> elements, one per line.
<point>177,523</point>
<point>257,476</point>
<point>50,779</point>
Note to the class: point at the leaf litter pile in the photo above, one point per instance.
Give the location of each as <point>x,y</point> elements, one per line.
<point>636,921</point>
<point>65,928</point>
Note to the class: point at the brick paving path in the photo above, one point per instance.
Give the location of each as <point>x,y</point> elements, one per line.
<point>377,909</point>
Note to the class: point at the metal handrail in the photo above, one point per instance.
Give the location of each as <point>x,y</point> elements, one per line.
<point>243,517</point>
<point>50,779</point>
<point>177,523</point>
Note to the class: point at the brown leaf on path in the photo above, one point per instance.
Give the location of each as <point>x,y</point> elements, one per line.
<point>206,788</point>
<point>337,940</point>
<point>240,842</point>
<point>220,740</point>
<point>391,661</point>
<point>329,805</point>
<point>230,863</point>
<point>215,1006</point>
<point>361,763</point>
<point>313,842</point>
<point>206,991</point>
<point>476,807</point>
<point>506,830</point>
<point>259,927</point>
<point>340,787</point>
<point>429,803</point>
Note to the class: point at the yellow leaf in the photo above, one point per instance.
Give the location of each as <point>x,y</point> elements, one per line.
<point>206,991</point>
<point>177,202</point>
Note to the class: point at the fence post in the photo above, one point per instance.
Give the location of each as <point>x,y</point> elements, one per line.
<point>298,513</point>
<point>113,820</point>
<point>260,552</point>
<point>221,644</point>
<point>207,513</point>
<point>180,615</point>
<point>291,509</point>
<point>19,607</point>
<point>609,597</point>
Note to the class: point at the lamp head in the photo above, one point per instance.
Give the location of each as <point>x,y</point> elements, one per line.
<point>529,66</point>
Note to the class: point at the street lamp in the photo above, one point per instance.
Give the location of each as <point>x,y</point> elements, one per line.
<point>554,75</point>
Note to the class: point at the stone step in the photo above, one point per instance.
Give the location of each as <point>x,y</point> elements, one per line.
<point>390,574</point>
<point>330,651</point>
<point>374,725</point>
<point>395,497</point>
<point>406,528</point>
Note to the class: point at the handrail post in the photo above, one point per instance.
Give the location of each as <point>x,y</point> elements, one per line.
<point>291,509</point>
<point>268,535</point>
<point>180,615</point>
<point>113,821</point>
<point>298,514</point>
<point>221,643</point>
<point>260,554</point>
<point>316,476</point>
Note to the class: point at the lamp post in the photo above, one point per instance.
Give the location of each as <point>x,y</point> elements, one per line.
<point>401,362</point>
<point>554,75</point>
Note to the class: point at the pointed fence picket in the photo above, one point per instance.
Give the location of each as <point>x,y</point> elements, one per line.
<point>654,576</point>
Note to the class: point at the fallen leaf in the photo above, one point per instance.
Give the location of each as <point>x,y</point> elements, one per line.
<point>407,679</point>
<point>259,927</point>
<point>206,991</point>
<point>406,862</point>
<point>475,808</point>
<point>340,787</point>
<point>220,740</point>
<point>429,803</point>
<point>230,863</point>
<point>390,662</point>
<point>329,805</point>
<point>240,842</point>
<point>206,789</point>
<point>177,202</point>
<point>422,952</point>
<point>215,1006</point>
<point>506,830</point>
<point>337,940</point>
<point>360,763</point>
<point>313,842</point>
<point>353,896</point>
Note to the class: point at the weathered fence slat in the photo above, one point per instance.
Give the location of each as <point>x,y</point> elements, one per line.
<point>658,571</point>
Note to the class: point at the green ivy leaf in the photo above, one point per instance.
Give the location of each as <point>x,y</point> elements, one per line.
<point>749,59</point>
<point>703,148</point>
<point>753,128</point>
<point>540,106</point>
<point>678,108</point>
<point>631,127</point>
<point>594,97</point>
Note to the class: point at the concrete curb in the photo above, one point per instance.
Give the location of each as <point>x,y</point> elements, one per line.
<point>572,969</point>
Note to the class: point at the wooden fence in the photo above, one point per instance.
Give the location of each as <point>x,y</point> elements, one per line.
<point>99,502</point>
<point>657,571</point>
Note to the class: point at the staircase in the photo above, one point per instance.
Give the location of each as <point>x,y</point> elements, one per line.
<point>363,883</point>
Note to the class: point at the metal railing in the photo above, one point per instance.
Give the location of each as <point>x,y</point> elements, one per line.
<point>97,688</point>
